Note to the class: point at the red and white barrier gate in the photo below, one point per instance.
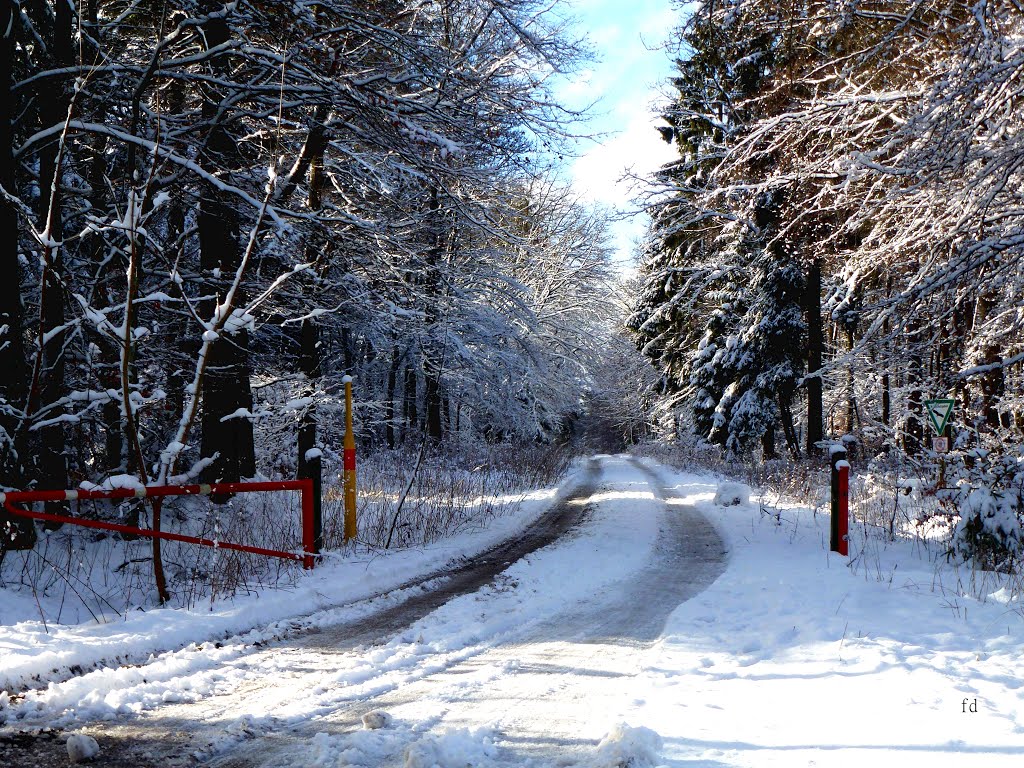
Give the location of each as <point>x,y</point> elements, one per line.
<point>305,486</point>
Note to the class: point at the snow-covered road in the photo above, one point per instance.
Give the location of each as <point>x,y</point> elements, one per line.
<point>526,665</point>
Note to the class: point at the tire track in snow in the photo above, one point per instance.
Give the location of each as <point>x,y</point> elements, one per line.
<point>543,686</point>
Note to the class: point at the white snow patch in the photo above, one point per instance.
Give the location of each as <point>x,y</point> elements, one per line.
<point>628,747</point>
<point>82,747</point>
<point>454,749</point>
<point>297,404</point>
<point>114,482</point>
<point>731,494</point>
<point>376,719</point>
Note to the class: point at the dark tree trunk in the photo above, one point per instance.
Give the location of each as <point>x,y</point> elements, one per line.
<point>52,469</point>
<point>913,429</point>
<point>13,383</point>
<point>226,386</point>
<point>768,442</point>
<point>432,401</point>
<point>14,533</point>
<point>851,394</point>
<point>389,400</point>
<point>886,397</point>
<point>788,430</point>
<point>309,461</point>
<point>226,390</point>
<point>815,343</point>
<point>309,362</point>
<point>179,361</point>
<point>409,400</point>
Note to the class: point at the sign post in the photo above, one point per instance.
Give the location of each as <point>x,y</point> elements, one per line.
<point>939,411</point>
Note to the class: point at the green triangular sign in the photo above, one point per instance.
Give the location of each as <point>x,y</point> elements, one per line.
<point>939,412</point>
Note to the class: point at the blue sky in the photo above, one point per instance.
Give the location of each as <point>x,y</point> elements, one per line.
<point>627,79</point>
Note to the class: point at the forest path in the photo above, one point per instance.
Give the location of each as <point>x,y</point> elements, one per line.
<point>505,643</point>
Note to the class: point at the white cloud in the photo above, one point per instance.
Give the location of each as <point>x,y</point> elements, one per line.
<point>637,149</point>
<point>600,176</point>
<point>624,82</point>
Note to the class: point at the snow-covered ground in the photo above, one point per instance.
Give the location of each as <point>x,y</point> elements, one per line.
<point>791,657</point>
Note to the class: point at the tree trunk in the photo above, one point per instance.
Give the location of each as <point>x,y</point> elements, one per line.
<point>409,404</point>
<point>788,430</point>
<point>12,343</point>
<point>768,443</point>
<point>389,400</point>
<point>851,392</point>
<point>308,460</point>
<point>432,401</point>
<point>226,386</point>
<point>52,470</point>
<point>178,358</point>
<point>815,342</point>
<point>14,533</point>
<point>310,365</point>
<point>913,429</point>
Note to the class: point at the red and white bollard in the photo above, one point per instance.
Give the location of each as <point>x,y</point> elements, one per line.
<point>840,477</point>
<point>843,547</point>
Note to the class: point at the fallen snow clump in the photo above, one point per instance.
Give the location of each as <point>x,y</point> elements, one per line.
<point>82,747</point>
<point>376,719</point>
<point>454,749</point>
<point>628,747</point>
<point>732,494</point>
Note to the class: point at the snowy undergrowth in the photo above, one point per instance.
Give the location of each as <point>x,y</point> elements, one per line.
<point>77,574</point>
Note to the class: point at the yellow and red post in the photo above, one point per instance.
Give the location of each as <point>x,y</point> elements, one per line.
<point>350,465</point>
